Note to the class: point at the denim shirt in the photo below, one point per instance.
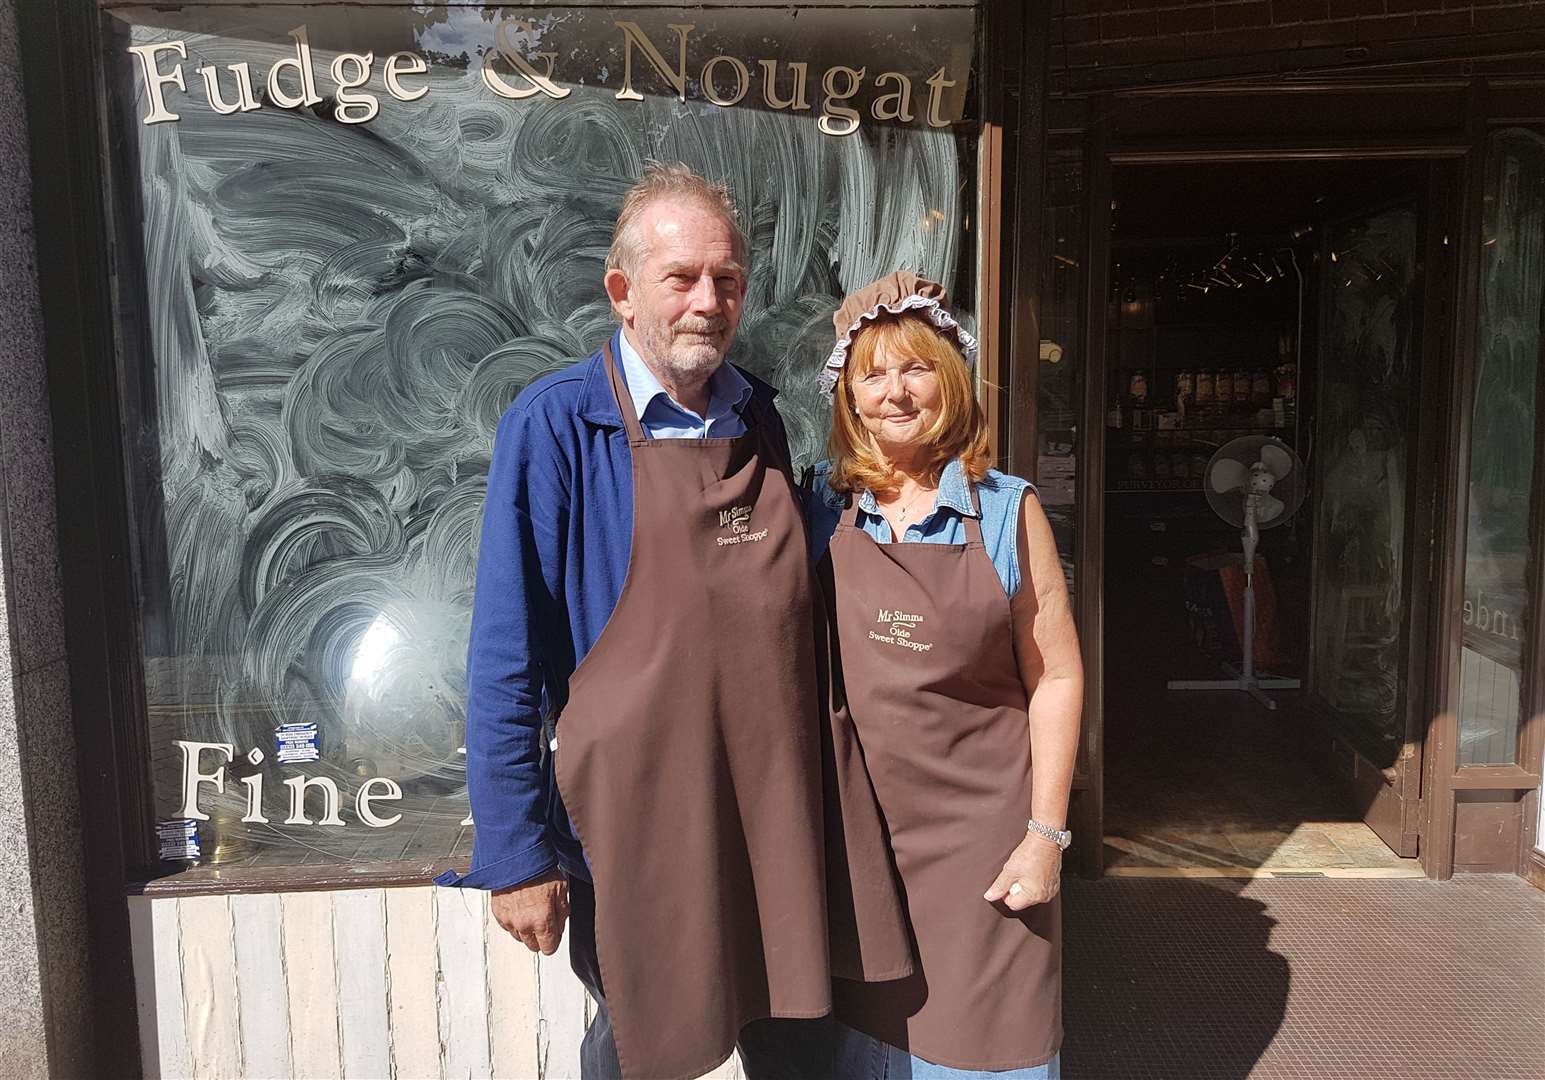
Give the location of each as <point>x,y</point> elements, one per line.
<point>998,494</point>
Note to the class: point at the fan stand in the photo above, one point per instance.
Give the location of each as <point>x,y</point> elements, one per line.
<point>1243,676</point>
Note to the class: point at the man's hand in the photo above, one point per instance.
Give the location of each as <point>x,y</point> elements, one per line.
<point>534,911</point>
<point>1032,875</point>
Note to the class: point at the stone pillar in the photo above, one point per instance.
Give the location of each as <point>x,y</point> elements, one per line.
<point>45,1015</point>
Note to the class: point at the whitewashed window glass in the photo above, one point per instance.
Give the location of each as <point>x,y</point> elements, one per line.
<point>323,320</point>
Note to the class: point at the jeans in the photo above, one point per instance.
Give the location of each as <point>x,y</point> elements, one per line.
<point>769,1049</point>
<point>598,1050</point>
<point>862,1057</point>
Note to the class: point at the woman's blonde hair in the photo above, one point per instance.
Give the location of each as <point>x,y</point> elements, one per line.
<point>960,431</point>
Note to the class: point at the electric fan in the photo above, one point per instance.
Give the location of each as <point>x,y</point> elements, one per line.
<point>1253,482</point>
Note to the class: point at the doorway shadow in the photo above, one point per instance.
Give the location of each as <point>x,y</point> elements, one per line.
<point>1168,978</point>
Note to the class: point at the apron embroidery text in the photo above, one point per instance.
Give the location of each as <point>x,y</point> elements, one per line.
<point>738,520</point>
<point>902,627</point>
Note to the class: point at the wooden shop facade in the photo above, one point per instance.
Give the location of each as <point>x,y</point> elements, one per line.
<point>294,261</point>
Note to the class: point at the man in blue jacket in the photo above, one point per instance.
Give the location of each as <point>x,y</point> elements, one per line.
<point>646,491</point>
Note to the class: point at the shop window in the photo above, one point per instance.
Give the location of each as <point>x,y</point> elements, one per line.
<point>1497,618</point>
<point>349,236</point>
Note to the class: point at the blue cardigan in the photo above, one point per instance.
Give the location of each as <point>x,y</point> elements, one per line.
<point>557,533</point>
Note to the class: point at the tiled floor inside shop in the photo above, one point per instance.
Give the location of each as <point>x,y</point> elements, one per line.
<point>1211,781</point>
<point>1318,979</point>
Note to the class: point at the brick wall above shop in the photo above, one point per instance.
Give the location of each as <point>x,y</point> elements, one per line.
<point>1131,42</point>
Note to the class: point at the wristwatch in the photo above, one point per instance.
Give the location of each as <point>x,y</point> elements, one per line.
<point>1061,837</point>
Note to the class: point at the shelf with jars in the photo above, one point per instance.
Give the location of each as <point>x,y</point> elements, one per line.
<point>1160,438</point>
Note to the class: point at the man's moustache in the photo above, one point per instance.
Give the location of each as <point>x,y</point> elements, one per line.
<point>700,326</point>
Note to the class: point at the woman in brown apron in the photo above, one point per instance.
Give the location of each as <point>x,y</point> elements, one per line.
<point>961,672</point>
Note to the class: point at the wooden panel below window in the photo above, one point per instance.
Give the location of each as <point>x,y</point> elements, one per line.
<point>414,981</point>
<point>1486,832</point>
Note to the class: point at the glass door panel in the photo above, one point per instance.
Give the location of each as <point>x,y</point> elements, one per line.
<point>1374,460</point>
<point>1366,404</point>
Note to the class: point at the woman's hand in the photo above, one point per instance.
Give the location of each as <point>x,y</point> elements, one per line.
<point>1032,875</point>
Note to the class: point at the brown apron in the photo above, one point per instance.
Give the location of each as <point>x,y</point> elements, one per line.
<point>928,661</point>
<point>867,921</point>
<point>690,761</point>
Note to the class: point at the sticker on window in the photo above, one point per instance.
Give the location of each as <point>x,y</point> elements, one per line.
<point>178,839</point>
<point>296,742</point>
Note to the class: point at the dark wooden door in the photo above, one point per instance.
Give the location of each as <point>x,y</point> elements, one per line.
<point>1380,360</point>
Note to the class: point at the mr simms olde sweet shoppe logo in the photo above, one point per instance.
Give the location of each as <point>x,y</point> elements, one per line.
<point>516,67</point>
<point>736,521</point>
<point>901,626</point>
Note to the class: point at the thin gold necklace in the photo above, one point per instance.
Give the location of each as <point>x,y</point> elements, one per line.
<point>906,507</point>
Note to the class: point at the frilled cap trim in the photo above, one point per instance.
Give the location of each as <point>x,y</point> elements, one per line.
<point>895,293</point>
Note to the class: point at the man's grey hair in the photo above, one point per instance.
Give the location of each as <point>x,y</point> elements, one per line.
<point>677,182</point>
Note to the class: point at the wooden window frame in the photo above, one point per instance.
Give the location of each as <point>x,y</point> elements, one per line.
<point>1492,105</point>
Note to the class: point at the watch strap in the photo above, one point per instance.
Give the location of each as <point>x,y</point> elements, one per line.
<point>1061,837</point>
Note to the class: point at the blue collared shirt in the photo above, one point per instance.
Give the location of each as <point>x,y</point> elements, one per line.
<point>998,494</point>
<point>556,537</point>
<point>663,418</point>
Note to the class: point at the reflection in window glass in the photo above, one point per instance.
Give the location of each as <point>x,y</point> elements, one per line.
<point>341,289</point>
<point>1496,615</point>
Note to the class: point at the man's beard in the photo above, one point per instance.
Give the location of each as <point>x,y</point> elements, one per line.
<point>684,355</point>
